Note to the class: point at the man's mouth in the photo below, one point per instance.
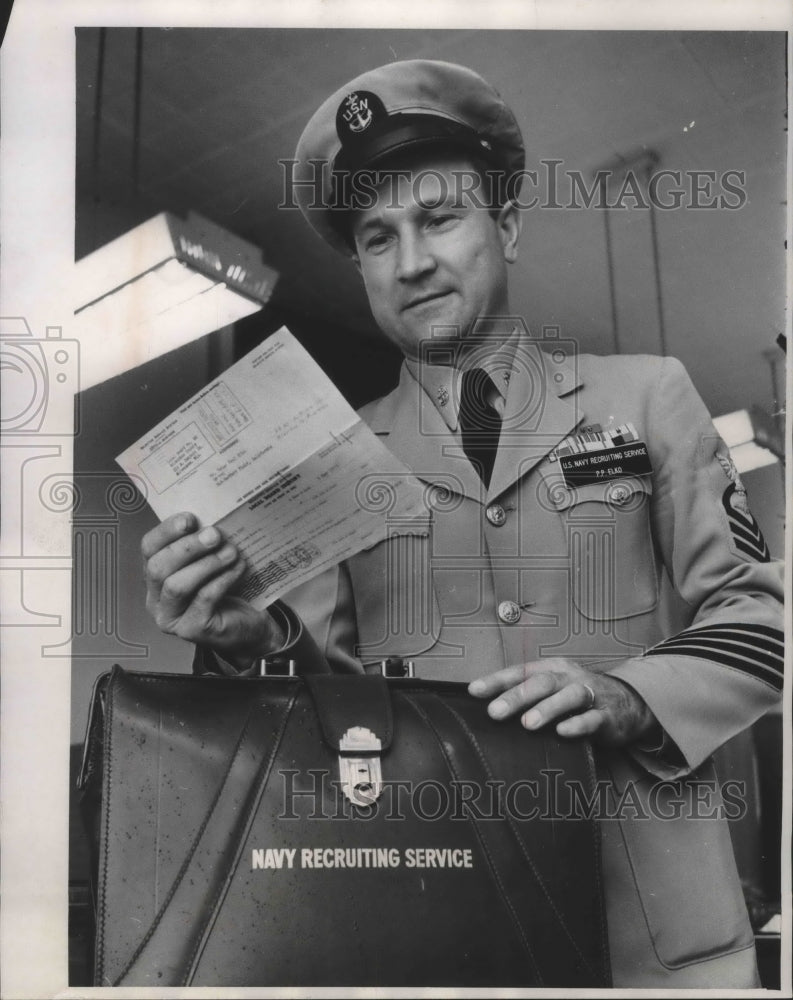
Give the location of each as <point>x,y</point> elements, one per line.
<point>420,300</point>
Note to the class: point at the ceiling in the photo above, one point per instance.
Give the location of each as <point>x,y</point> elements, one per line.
<point>214,110</point>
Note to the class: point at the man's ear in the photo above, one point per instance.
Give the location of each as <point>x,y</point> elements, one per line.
<point>509,223</point>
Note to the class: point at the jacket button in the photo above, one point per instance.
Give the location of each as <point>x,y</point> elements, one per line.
<point>496,514</point>
<point>620,494</point>
<point>509,612</point>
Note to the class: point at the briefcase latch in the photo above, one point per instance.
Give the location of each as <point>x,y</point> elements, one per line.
<point>359,765</point>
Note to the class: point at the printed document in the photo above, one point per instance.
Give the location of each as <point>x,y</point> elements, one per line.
<point>273,454</point>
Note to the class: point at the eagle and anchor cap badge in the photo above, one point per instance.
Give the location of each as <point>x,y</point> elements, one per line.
<point>397,108</point>
<point>357,112</point>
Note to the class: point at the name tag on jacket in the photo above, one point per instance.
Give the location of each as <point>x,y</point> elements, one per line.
<point>610,463</point>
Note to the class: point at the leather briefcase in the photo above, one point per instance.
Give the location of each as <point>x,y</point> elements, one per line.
<point>335,830</point>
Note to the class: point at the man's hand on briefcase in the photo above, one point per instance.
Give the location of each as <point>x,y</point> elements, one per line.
<point>189,576</point>
<point>580,702</point>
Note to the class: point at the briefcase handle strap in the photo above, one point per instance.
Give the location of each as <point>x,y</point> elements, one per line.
<point>347,701</point>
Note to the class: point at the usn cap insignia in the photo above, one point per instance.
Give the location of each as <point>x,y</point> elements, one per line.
<point>357,113</point>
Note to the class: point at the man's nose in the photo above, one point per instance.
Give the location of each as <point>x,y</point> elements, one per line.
<point>414,258</point>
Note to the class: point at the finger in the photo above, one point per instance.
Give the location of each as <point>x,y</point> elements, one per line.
<point>202,620</point>
<point>212,593</point>
<point>573,697</point>
<point>179,590</point>
<point>582,725</point>
<point>501,680</point>
<point>180,553</point>
<point>167,531</point>
<point>526,694</point>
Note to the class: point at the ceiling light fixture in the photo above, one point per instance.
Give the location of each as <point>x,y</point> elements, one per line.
<point>752,437</point>
<point>161,285</point>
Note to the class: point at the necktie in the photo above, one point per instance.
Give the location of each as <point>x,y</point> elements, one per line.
<point>480,424</point>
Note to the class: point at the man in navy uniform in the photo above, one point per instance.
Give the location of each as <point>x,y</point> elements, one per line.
<point>568,491</point>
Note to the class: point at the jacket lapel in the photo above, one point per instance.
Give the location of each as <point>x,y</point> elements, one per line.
<point>416,433</point>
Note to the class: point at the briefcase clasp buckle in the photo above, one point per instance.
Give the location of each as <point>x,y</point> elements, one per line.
<point>359,766</point>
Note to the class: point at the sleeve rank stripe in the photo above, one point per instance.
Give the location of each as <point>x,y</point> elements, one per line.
<point>762,555</point>
<point>736,629</point>
<point>762,674</point>
<point>748,537</point>
<point>742,530</point>
<point>728,637</point>
<point>725,637</point>
<point>735,637</point>
<point>739,650</point>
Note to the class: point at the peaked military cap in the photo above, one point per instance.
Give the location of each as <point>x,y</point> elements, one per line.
<point>393,109</point>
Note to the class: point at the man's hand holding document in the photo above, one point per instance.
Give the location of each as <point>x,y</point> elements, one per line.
<point>273,456</point>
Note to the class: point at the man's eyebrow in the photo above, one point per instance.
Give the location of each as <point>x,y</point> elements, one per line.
<point>451,199</point>
<point>433,204</point>
<point>373,222</point>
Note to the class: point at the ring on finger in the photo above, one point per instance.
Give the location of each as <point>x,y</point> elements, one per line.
<point>591,696</point>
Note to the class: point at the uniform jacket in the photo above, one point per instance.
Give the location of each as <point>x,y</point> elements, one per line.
<point>661,579</point>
